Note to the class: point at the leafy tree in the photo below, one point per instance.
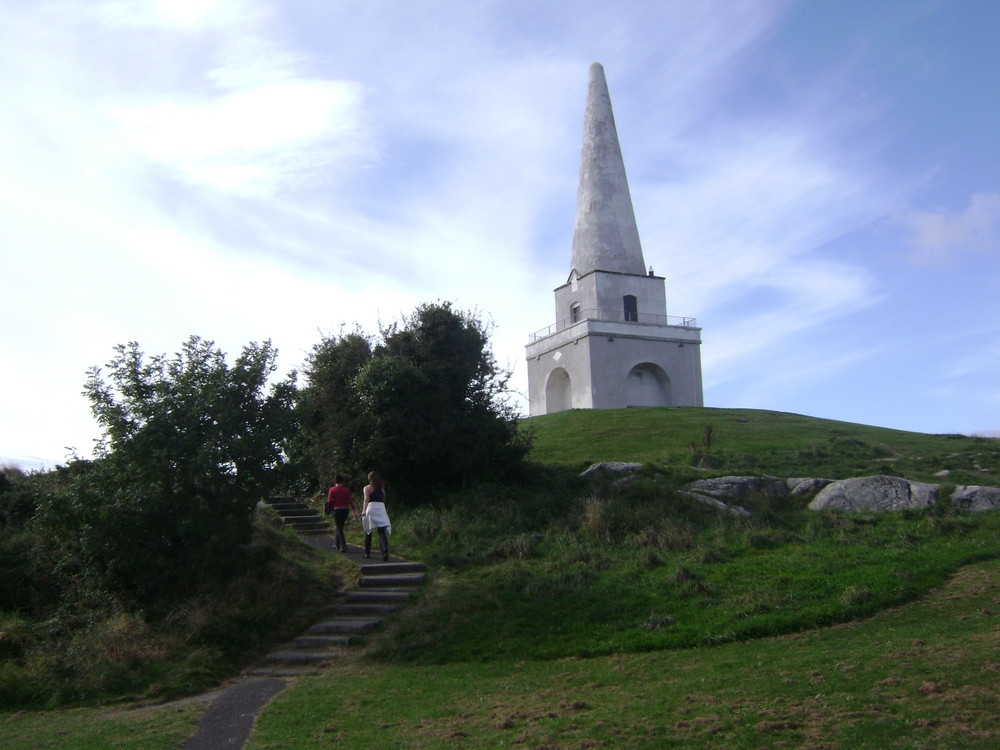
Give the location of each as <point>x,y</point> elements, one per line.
<point>190,445</point>
<point>329,408</point>
<point>426,406</point>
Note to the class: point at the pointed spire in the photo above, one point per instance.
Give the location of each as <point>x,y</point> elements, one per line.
<point>605,237</point>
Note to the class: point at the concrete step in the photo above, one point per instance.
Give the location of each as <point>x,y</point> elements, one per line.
<point>323,641</point>
<point>367,610</point>
<point>299,510</point>
<point>390,568</point>
<point>283,670</point>
<point>379,596</point>
<point>346,626</point>
<point>306,523</point>
<point>301,656</point>
<point>403,579</point>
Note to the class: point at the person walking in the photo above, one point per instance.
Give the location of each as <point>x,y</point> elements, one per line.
<point>374,515</point>
<point>340,503</point>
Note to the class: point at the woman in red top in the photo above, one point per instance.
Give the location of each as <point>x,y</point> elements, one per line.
<point>339,502</point>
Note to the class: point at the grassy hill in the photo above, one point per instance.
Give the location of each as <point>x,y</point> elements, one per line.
<point>566,613</point>
<point>753,441</point>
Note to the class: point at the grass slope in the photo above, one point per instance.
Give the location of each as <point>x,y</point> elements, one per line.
<point>564,613</point>
<point>919,676</point>
<point>754,441</point>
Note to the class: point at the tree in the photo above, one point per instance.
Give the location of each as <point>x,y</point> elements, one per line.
<point>190,445</point>
<point>329,408</point>
<point>426,406</point>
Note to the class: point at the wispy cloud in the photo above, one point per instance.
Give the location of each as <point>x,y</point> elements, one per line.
<point>937,236</point>
<point>249,142</point>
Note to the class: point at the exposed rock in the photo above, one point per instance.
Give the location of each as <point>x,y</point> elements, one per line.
<point>610,467</point>
<point>712,491</point>
<point>717,504</point>
<point>726,487</point>
<point>876,493</point>
<point>972,498</point>
<point>942,473</point>
<point>804,486</point>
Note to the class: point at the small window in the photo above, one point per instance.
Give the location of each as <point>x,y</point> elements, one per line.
<point>631,308</point>
<point>574,313</point>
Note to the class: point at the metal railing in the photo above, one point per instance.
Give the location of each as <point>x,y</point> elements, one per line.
<point>613,316</point>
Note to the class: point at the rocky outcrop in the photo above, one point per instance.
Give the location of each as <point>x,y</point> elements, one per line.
<point>805,486</point>
<point>610,467</point>
<point>716,492</point>
<point>736,487</point>
<point>875,494</point>
<point>973,498</point>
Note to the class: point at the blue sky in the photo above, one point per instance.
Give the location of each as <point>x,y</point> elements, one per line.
<point>818,182</point>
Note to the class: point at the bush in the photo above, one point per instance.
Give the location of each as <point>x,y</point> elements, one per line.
<point>426,406</point>
<point>190,446</point>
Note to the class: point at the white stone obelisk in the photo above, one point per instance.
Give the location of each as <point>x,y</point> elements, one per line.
<point>605,236</point>
<point>612,344</point>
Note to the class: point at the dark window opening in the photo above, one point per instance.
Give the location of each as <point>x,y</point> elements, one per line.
<point>631,308</point>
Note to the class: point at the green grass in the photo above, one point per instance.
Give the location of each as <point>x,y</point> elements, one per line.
<point>155,727</point>
<point>682,577</point>
<point>922,675</point>
<point>566,613</point>
<point>918,676</point>
<point>765,442</point>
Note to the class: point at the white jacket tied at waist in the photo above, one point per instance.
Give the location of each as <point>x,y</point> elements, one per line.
<point>375,517</point>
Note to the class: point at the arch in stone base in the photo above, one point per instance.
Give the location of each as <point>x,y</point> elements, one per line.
<point>647,385</point>
<point>557,391</point>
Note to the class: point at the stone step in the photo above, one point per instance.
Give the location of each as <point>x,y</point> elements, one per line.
<point>346,626</point>
<point>323,641</point>
<point>389,568</point>
<point>367,610</point>
<point>310,518</point>
<point>300,510</point>
<point>402,579</point>
<point>282,670</point>
<point>379,596</point>
<point>309,523</point>
<point>301,656</point>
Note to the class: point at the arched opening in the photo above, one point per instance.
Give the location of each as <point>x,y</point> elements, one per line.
<point>631,308</point>
<point>557,391</point>
<point>647,385</point>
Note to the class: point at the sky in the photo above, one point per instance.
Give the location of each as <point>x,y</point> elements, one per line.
<point>819,183</point>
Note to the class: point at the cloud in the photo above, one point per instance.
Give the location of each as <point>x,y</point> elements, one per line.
<point>244,169</point>
<point>182,15</point>
<point>248,142</point>
<point>939,236</point>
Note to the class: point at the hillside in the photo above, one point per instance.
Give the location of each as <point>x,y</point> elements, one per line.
<point>573,613</point>
<point>759,442</point>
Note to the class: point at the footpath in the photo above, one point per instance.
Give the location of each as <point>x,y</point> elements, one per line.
<point>384,587</point>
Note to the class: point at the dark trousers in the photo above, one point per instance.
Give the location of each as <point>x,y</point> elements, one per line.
<point>383,542</point>
<point>340,518</point>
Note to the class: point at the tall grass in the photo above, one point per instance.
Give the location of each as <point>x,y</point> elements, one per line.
<point>621,566</point>
<point>91,650</point>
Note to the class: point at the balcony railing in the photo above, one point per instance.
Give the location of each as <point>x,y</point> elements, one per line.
<point>613,316</point>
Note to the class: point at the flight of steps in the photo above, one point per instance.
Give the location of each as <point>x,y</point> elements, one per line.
<point>299,516</point>
<point>384,588</point>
